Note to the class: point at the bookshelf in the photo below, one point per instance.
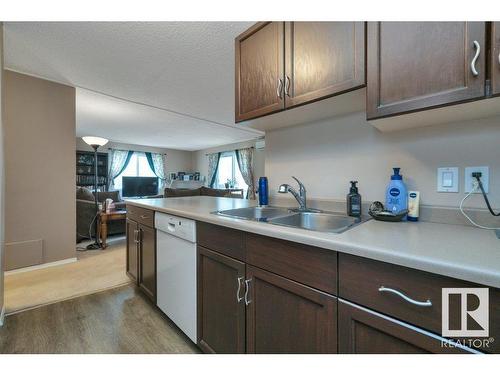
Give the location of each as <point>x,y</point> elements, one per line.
<point>85,169</point>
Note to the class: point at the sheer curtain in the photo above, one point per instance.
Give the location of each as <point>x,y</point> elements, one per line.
<point>118,161</point>
<point>245,163</point>
<point>213,165</point>
<point>158,164</point>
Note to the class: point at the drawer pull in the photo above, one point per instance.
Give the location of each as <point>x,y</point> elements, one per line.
<point>427,303</point>
<point>144,217</point>
<point>238,298</point>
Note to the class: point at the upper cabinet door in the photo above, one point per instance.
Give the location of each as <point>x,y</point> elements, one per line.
<point>323,59</point>
<point>495,58</point>
<point>259,71</point>
<point>417,65</point>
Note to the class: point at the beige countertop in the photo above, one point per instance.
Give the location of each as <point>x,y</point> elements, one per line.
<point>458,251</point>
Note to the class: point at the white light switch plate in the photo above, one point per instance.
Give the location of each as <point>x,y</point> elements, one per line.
<point>447,180</point>
<point>485,178</point>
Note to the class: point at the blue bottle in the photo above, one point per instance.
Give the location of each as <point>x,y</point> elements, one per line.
<point>263,192</point>
<point>396,197</point>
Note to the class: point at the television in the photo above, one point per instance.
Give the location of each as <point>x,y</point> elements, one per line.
<point>139,186</point>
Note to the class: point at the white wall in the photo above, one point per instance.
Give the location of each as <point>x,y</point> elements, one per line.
<point>326,155</point>
<point>200,160</point>
<point>177,160</point>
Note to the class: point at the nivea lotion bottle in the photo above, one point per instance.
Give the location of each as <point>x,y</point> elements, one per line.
<point>396,198</point>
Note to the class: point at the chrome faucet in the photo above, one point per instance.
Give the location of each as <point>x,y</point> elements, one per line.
<point>300,196</point>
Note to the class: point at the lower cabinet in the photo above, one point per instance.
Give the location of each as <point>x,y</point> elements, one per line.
<point>362,331</point>
<point>284,316</point>
<point>141,253</point>
<point>244,309</point>
<point>147,261</point>
<point>221,306</point>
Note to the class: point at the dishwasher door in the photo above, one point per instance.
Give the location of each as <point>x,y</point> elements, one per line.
<point>176,273</point>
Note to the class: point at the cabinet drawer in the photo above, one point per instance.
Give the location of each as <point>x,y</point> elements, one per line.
<point>141,215</point>
<point>230,242</point>
<point>360,280</point>
<point>308,265</point>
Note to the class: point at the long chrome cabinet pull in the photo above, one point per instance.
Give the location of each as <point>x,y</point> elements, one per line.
<point>499,58</point>
<point>279,88</point>
<point>247,287</point>
<point>427,303</point>
<point>287,86</point>
<point>238,298</point>
<point>476,56</point>
<point>136,236</point>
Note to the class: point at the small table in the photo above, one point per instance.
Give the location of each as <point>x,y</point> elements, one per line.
<point>103,223</point>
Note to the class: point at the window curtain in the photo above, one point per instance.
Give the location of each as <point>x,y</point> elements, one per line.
<point>245,163</point>
<point>213,166</point>
<point>158,164</point>
<point>118,161</point>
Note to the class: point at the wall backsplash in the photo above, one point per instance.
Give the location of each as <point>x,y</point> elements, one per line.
<point>326,155</point>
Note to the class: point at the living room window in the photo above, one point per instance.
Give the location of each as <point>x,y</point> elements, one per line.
<point>228,173</point>
<point>138,166</point>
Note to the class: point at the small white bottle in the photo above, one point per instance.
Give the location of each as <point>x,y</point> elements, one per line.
<point>413,205</point>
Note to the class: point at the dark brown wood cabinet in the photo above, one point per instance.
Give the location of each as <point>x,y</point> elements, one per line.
<point>362,331</point>
<point>284,316</point>
<point>147,261</point>
<point>419,65</point>
<point>221,306</point>
<point>141,249</point>
<point>259,71</point>
<point>322,59</point>
<point>495,58</point>
<point>132,230</point>
<point>282,65</point>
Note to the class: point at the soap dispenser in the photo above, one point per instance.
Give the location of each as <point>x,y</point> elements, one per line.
<point>396,199</point>
<point>354,201</point>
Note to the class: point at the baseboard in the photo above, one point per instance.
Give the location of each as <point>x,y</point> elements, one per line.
<point>41,266</point>
<point>2,315</point>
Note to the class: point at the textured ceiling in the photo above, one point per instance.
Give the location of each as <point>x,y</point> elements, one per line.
<point>184,69</point>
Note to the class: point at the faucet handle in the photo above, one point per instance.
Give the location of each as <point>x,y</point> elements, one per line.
<point>283,188</point>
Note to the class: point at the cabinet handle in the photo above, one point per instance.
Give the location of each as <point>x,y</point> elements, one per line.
<point>279,88</point>
<point>427,303</point>
<point>144,216</point>
<point>499,58</point>
<point>247,287</point>
<point>238,298</point>
<point>136,236</point>
<point>287,86</point>
<point>476,56</point>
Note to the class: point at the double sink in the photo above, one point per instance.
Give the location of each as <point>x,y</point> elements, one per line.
<point>319,221</point>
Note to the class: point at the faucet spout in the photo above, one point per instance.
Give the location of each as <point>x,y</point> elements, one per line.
<point>300,196</point>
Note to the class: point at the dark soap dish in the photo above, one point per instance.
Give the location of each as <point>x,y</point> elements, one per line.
<point>388,215</point>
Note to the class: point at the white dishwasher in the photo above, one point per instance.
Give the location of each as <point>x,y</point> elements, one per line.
<point>176,270</point>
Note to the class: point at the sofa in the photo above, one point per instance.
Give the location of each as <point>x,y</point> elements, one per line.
<point>227,193</point>
<point>85,213</point>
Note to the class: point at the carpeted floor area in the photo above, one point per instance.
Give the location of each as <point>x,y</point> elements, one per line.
<point>94,271</point>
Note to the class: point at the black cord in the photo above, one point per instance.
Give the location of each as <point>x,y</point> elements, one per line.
<point>485,197</point>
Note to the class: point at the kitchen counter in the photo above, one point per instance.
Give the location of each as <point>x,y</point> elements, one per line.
<point>458,251</point>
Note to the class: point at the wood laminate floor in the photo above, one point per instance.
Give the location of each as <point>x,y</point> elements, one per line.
<point>119,320</point>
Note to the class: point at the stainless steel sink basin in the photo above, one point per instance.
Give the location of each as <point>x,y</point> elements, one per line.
<point>317,221</point>
<point>321,222</point>
<point>255,213</point>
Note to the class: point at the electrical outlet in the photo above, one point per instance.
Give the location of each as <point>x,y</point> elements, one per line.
<point>469,180</point>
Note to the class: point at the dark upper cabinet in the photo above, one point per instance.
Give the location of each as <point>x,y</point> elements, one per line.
<point>132,250</point>
<point>259,71</point>
<point>280,66</point>
<point>284,316</point>
<point>147,261</point>
<point>322,59</point>
<point>495,58</point>
<point>362,331</point>
<point>417,65</point>
<point>221,306</point>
